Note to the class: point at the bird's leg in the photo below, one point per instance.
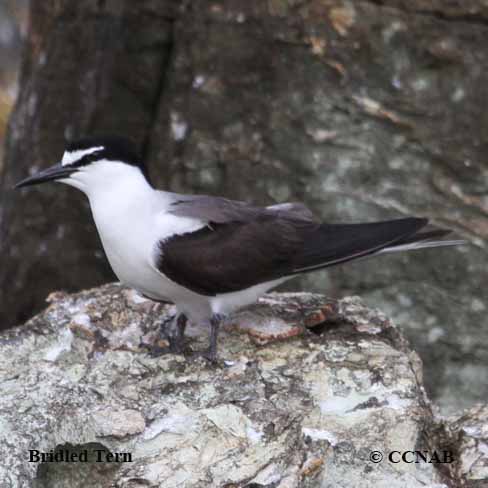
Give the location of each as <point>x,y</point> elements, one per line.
<point>215,321</point>
<point>177,340</point>
<point>211,353</point>
<point>173,330</point>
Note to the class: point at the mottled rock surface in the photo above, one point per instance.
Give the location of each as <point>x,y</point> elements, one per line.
<point>304,390</point>
<point>472,430</point>
<point>467,434</point>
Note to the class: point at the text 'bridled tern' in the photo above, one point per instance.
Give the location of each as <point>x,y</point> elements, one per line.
<point>209,255</point>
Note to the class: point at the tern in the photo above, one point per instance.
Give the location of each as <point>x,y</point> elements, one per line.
<point>210,255</point>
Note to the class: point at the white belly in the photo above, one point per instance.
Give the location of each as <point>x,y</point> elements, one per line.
<point>136,271</point>
<point>131,245</point>
<point>228,302</point>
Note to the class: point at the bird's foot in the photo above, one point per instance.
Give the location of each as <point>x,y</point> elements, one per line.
<point>155,350</point>
<point>172,331</point>
<point>206,354</point>
<point>210,354</point>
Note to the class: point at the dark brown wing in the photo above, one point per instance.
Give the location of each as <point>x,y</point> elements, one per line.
<point>338,243</point>
<point>229,257</point>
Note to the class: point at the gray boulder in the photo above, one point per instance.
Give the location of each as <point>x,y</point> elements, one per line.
<point>308,392</point>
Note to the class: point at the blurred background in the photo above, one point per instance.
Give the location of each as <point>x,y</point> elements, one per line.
<point>13,30</point>
<point>364,110</point>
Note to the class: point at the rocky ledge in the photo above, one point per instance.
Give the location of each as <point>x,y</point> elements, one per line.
<point>308,392</point>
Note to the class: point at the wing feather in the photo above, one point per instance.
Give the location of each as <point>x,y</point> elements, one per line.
<point>229,257</point>
<point>221,210</point>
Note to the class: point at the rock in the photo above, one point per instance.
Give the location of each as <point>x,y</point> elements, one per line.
<point>305,390</point>
<point>472,434</point>
<point>467,434</point>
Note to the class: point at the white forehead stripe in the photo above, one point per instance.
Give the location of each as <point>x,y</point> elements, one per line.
<point>70,157</point>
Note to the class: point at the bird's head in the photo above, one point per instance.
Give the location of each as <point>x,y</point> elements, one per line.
<point>94,163</point>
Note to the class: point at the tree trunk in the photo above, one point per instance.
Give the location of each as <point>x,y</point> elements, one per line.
<point>365,110</point>
<point>89,67</point>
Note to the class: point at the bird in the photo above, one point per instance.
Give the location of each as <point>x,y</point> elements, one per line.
<point>210,255</point>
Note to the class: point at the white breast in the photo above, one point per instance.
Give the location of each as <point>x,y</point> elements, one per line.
<point>130,234</point>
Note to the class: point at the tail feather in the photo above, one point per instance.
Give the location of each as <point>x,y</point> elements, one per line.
<point>332,244</point>
<point>413,246</point>
<point>424,239</point>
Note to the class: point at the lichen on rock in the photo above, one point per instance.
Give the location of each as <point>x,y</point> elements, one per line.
<point>305,390</point>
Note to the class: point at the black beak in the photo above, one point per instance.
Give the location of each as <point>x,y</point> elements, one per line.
<point>56,172</point>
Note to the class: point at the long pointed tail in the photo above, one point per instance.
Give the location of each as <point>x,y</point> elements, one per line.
<point>332,244</point>
<point>425,239</point>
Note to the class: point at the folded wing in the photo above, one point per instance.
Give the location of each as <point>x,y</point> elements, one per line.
<point>235,255</point>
